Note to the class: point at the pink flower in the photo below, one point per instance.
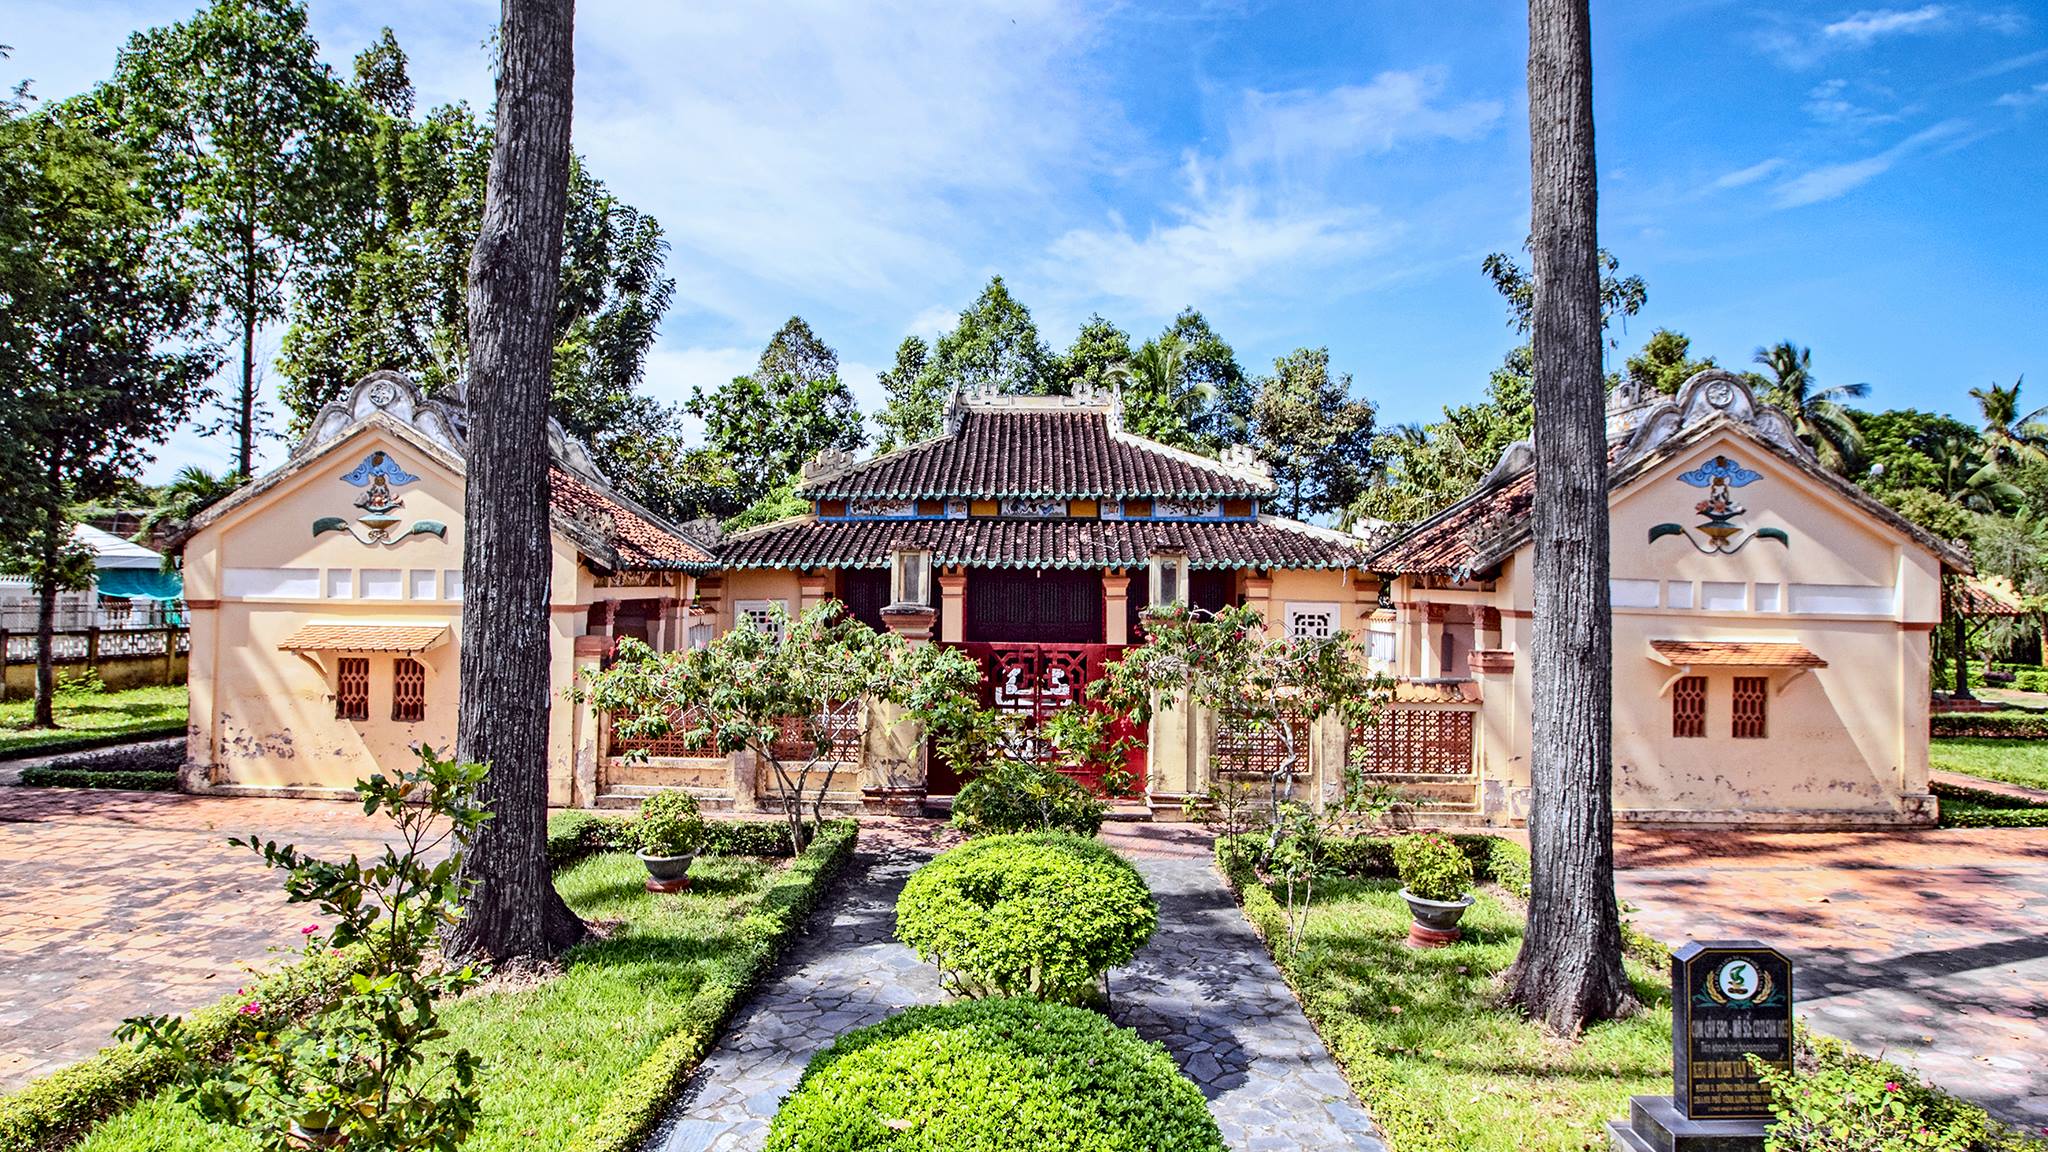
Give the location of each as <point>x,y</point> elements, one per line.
<point>1891,1086</point>
<point>252,1008</point>
<point>309,929</point>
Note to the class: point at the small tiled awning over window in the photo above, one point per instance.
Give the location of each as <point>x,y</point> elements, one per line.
<point>1735,654</point>
<point>365,638</point>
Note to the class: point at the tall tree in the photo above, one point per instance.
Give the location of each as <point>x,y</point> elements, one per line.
<point>1091,361</point>
<point>1210,368</point>
<point>1425,469</point>
<point>1569,971</point>
<point>102,348</point>
<point>1818,415</point>
<point>1317,439</point>
<point>1664,362</point>
<point>916,399</point>
<point>1159,398</point>
<point>513,912</point>
<point>250,141</point>
<point>793,406</point>
<point>995,345</point>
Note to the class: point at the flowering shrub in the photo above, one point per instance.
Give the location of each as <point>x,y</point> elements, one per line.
<point>1040,915</point>
<point>1433,867</point>
<point>1023,796</point>
<point>360,1068</point>
<point>1861,1106</point>
<point>669,825</point>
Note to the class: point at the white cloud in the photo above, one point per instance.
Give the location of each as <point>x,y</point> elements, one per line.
<point>1869,26</point>
<point>673,372</point>
<point>1833,180</point>
<point>2024,97</point>
<point>1283,128</point>
<point>932,321</point>
<point>1751,174</point>
<point>1829,103</point>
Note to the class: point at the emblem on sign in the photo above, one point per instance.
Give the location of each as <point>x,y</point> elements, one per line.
<point>379,476</point>
<point>1719,531</point>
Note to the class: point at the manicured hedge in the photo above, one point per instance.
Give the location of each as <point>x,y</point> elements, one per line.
<point>642,1095</point>
<point>2009,725</point>
<point>994,1076</point>
<point>577,833</point>
<point>1494,860</point>
<point>121,779</point>
<point>54,1109</point>
<point>1041,914</point>
<point>1015,798</point>
<point>1981,808</point>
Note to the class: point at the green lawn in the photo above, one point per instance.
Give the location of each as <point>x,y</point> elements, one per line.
<point>2013,761</point>
<point>1435,1062</point>
<point>554,1053</point>
<point>100,717</point>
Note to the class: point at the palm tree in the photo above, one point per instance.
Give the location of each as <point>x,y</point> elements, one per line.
<point>1159,401</point>
<point>2008,436</point>
<point>1818,415</point>
<point>190,492</point>
<point>1969,477</point>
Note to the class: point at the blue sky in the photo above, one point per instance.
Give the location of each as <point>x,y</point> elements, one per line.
<point>1866,180</point>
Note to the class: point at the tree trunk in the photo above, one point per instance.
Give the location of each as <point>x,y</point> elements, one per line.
<point>514,911</point>
<point>1569,972</point>
<point>46,621</point>
<point>245,402</point>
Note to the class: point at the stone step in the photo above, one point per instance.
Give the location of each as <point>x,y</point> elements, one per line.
<point>630,796</point>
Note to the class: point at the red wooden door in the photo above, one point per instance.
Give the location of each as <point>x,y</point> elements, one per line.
<point>1034,681</point>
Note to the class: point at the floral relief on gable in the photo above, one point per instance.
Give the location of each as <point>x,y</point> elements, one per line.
<point>379,475</point>
<point>1721,530</point>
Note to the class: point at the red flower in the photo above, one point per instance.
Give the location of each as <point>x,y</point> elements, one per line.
<point>309,929</point>
<point>252,1008</point>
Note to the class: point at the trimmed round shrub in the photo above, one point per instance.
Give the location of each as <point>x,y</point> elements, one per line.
<point>1040,915</point>
<point>1013,796</point>
<point>994,1076</point>
<point>1433,867</point>
<point>669,825</point>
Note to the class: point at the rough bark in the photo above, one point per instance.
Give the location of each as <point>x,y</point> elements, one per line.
<point>46,623</point>
<point>514,912</point>
<point>1569,972</point>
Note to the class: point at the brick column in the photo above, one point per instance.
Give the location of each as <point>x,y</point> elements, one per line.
<point>1116,606</point>
<point>953,605</point>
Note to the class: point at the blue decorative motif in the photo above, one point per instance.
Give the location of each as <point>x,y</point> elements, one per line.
<point>1720,468</point>
<point>379,465</point>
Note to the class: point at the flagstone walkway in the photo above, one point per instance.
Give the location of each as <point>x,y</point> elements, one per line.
<point>1204,987</point>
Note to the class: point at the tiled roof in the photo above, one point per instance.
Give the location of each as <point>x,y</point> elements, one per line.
<point>632,534</point>
<point>1452,539</point>
<point>1987,596</point>
<point>1435,692</point>
<point>1266,543</point>
<point>1037,453</point>
<point>1736,654</point>
<point>364,638</point>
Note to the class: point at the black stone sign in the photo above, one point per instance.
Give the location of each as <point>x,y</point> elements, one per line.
<point>1729,999</point>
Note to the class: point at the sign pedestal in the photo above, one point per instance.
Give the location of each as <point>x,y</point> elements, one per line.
<point>1730,1000</point>
<point>1655,1124</point>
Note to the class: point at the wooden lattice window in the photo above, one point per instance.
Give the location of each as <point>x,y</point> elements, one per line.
<point>352,688</point>
<point>1689,707</point>
<point>1751,710</point>
<point>408,690</point>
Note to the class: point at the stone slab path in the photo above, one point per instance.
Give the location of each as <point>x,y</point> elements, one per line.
<point>1204,987</point>
<point>1928,948</point>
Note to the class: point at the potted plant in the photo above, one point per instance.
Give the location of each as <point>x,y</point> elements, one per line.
<point>1436,881</point>
<point>666,838</point>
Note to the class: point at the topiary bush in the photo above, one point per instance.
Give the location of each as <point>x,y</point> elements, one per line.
<point>1433,867</point>
<point>994,1076</point>
<point>2005,725</point>
<point>669,825</point>
<point>1014,796</point>
<point>1042,915</point>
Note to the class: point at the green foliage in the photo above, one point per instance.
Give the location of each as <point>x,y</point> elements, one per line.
<point>1317,439</point>
<point>669,825</point>
<point>915,400</point>
<point>1432,867</point>
<point>1899,447</point>
<point>1040,915</point>
<point>1818,414</point>
<point>1620,296</point>
<point>84,722</point>
<point>254,146</point>
<point>52,1110</point>
<point>768,424</point>
<point>643,1095</point>
<point>994,1076</point>
<point>738,691</point>
<point>364,1065</point>
<point>780,503</point>
<point>1991,725</point>
<point>78,686</point>
<point>995,345</point>
<point>1428,468</point>
<point>576,833</point>
<point>1095,359</point>
<point>1980,808</point>
<point>1865,1106</point>
<point>1665,362</point>
<point>1009,795</point>
<point>119,779</point>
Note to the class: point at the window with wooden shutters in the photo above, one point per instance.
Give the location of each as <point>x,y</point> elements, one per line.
<point>1689,707</point>
<point>408,690</point>
<point>352,689</point>
<point>1751,692</point>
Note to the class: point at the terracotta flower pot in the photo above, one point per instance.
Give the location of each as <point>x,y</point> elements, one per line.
<point>667,873</point>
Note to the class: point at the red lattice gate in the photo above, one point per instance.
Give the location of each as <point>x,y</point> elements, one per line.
<point>1034,681</point>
